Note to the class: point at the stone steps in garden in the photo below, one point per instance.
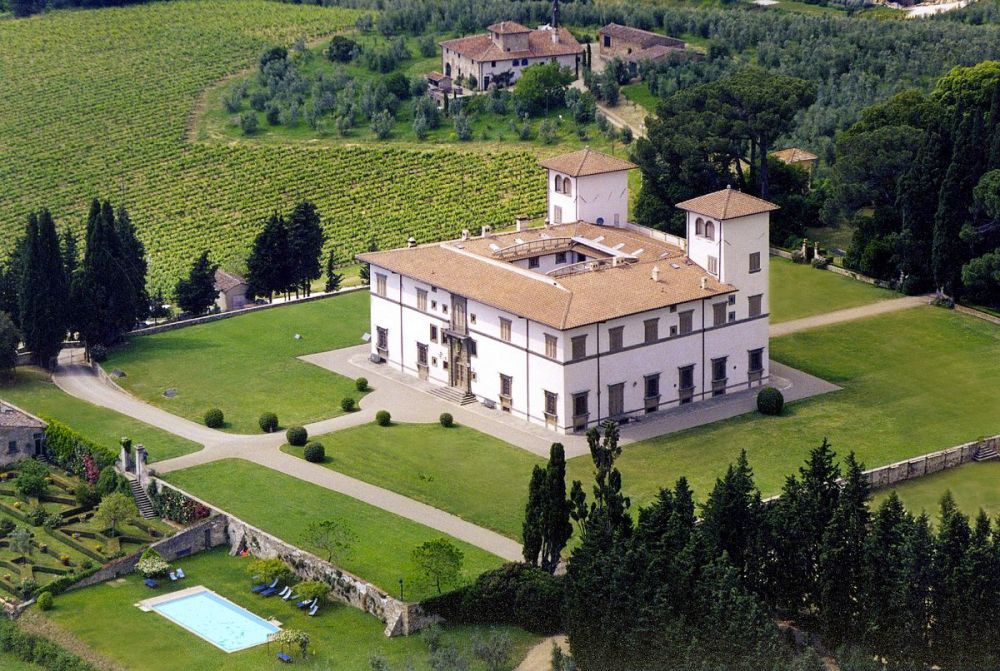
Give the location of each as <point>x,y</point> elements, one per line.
<point>141,499</point>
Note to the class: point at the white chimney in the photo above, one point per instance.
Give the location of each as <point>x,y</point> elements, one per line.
<point>656,273</point>
<point>704,282</point>
<point>465,234</point>
<point>520,223</point>
<point>555,35</point>
<point>486,230</point>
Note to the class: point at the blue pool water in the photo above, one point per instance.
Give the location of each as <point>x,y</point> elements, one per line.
<point>217,620</point>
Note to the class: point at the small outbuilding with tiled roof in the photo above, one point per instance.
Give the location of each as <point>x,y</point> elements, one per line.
<point>232,291</point>
<point>634,46</point>
<point>22,435</point>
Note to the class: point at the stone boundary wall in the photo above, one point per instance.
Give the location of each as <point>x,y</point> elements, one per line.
<point>775,251</point>
<point>973,312</point>
<point>887,476</point>
<point>401,618</point>
<point>172,326</point>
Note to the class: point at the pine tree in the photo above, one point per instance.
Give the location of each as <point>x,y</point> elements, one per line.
<point>949,611</point>
<point>305,244</point>
<point>43,295</point>
<point>333,278</point>
<point>10,339</point>
<point>196,293</point>
<point>134,261</point>
<point>268,263</point>
<point>732,515</point>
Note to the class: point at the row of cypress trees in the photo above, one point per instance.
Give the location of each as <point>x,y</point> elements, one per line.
<point>285,255</point>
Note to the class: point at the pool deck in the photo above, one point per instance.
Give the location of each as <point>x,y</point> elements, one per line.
<point>146,605</point>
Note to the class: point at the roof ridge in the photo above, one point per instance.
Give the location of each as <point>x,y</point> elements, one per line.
<point>544,279</point>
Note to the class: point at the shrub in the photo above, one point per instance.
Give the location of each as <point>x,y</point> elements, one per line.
<point>347,404</point>
<point>383,418</point>
<point>266,570</point>
<point>248,122</point>
<point>44,601</point>
<point>110,481</point>
<point>446,420</point>
<point>361,384</point>
<point>311,589</point>
<point>214,419</point>
<point>99,353</point>
<point>314,452</point>
<point>6,526</point>
<point>87,496</point>
<point>820,262</point>
<point>36,516</point>
<point>31,478</point>
<point>268,422</point>
<point>770,401</point>
<point>151,564</point>
<point>297,436</point>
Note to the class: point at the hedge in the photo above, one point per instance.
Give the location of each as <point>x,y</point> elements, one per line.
<point>38,650</point>
<point>514,594</point>
<point>67,449</point>
<point>172,505</point>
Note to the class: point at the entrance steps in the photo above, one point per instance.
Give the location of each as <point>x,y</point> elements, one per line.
<point>453,395</point>
<point>141,499</point>
<point>986,453</point>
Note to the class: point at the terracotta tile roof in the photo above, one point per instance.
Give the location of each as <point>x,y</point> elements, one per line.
<point>540,45</point>
<point>225,281</point>
<point>727,204</point>
<point>643,38</point>
<point>14,418</point>
<point>794,155</point>
<point>508,28</point>
<point>585,162</point>
<point>468,268</point>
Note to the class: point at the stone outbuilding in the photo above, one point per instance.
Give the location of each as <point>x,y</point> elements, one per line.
<point>634,46</point>
<point>22,435</point>
<point>232,291</point>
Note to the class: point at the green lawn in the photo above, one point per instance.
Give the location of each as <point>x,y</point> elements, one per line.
<point>342,638</point>
<point>35,392</point>
<point>975,486</point>
<point>914,381</point>
<point>247,365</point>
<point>799,290</point>
<point>284,506</point>
<point>468,473</point>
<point>8,662</point>
<point>639,94</point>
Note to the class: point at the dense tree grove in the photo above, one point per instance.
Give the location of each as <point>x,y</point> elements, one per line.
<point>285,255</point>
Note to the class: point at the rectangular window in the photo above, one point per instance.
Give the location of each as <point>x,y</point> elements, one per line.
<point>422,300</point>
<point>472,318</point>
<point>580,258</point>
<point>380,284</point>
<point>550,346</point>
<point>755,305</point>
<point>506,385</point>
<point>755,262</point>
<point>473,348</point>
<point>382,338</point>
<point>756,360</point>
<point>434,333</point>
<point>560,257</point>
<point>551,403</point>
<point>713,265</point>
<point>434,305</point>
<point>607,40</point>
<point>732,315</point>
<point>505,325</point>
<point>651,328</point>
<point>719,369</point>
<point>718,314</point>
<point>579,347</point>
<point>652,385</point>
<point>533,262</point>
<point>421,354</point>
<point>581,405</point>
<point>616,338</point>
<point>685,378</point>
<point>12,447</point>
<point>687,321</point>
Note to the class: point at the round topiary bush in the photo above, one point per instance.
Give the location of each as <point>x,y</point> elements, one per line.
<point>383,418</point>
<point>268,422</point>
<point>297,436</point>
<point>99,353</point>
<point>44,601</point>
<point>361,384</point>
<point>446,419</point>
<point>347,405</point>
<point>214,419</point>
<point>770,401</point>
<point>314,452</point>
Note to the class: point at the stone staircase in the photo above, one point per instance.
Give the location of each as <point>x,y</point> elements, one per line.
<point>453,395</point>
<point>141,499</point>
<point>986,452</point>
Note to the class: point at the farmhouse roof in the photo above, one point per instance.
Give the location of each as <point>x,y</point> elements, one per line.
<point>586,162</point>
<point>794,155</point>
<point>540,45</point>
<point>225,281</point>
<point>471,268</point>
<point>508,28</point>
<point>643,38</point>
<point>12,417</point>
<point>727,203</point>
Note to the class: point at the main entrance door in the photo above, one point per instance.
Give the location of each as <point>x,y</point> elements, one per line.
<point>616,400</point>
<point>459,368</point>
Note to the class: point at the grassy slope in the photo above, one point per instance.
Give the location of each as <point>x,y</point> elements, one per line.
<point>342,638</point>
<point>914,382</point>
<point>461,470</point>
<point>799,290</point>
<point>246,365</point>
<point>974,486</point>
<point>8,662</point>
<point>284,506</point>
<point>35,392</point>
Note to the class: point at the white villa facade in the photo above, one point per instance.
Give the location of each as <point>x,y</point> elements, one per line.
<point>589,318</point>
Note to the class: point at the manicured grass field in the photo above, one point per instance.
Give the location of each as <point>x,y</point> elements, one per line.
<point>35,392</point>
<point>799,290</point>
<point>973,486</point>
<point>914,381</point>
<point>468,473</point>
<point>341,637</point>
<point>284,506</point>
<point>247,365</point>
<point>8,662</point>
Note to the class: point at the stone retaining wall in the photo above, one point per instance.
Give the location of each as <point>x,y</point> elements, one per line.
<point>887,476</point>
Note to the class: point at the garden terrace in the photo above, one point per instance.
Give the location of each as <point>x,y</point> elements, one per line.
<point>974,486</point>
<point>799,290</point>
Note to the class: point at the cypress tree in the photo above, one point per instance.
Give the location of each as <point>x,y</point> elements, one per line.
<point>333,278</point>
<point>365,272</point>
<point>556,527</point>
<point>134,261</point>
<point>732,515</point>
<point>43,295</point>
<point>305,244</point>
<point>10,281</point>
<point>917,202</point>
<point>268,263</point>
<point>531,530</point>
<point>196,293</point>
<point>949,611</point>
<point>70,253</point>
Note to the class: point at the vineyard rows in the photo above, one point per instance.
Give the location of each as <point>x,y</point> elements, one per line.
<point>95,103</point>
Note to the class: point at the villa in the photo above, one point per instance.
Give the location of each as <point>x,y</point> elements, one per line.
<point>589,317</point>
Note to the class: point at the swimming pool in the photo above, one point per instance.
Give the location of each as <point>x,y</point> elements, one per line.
<point>215,619</point>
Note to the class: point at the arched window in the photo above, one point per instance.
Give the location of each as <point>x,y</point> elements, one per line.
<point>710,230</point>
<point>567,187</point>
<point>600,221</point>
<point>699,226</point>
<point>559,184</point>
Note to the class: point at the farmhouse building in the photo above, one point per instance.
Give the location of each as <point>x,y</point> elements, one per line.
<point>635,46</point>
<point>590,317</point>
<point>801,158</point>
<point>22,435</point>
<point>501,54</point>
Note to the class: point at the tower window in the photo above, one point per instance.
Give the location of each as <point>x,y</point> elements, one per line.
<point>559,183</point>
<point>710,230</point>
<point>699,226</point>
<point>755,262</point>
